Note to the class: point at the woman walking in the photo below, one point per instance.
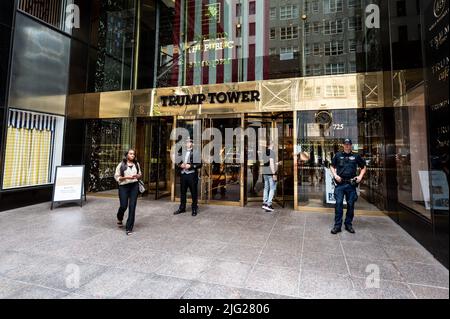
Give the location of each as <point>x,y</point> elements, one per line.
<point>128,173</point>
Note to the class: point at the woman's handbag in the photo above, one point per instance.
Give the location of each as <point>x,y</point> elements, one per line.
<point>141,187</point>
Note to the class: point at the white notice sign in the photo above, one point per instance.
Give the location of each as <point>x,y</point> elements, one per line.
<point>68,183</point>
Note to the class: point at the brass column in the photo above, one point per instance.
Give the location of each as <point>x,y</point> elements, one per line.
<point>295,162</point>
<point>242,163</point>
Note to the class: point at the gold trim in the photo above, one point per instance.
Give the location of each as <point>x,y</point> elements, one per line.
<point>295,137</point>
<point>173,170</point>
<point>243,171</point>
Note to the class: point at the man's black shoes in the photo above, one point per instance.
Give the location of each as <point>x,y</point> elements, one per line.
<point>349,229</point>
<point>194,213</point>
<point>180,211</point>
<point>336,230</point>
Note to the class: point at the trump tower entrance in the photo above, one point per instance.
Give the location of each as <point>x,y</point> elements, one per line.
<point>255,114</point>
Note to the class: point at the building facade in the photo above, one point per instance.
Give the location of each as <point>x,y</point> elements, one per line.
<point>83,88</point>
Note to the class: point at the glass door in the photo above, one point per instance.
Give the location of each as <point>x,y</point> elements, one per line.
<point>285,129</point>
<point>264,125</point>
<point>193,128</point>
<point>224,173</point>
<point>260,124</point>
<point>153,149</point>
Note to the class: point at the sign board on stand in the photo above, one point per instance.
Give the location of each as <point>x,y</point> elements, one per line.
<point>69,185</point>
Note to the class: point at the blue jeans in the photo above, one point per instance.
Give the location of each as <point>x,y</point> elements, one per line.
<point>270,187</point>
<point>351,196</point>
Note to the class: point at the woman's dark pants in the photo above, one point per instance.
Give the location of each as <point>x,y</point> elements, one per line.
<point>128,194</point>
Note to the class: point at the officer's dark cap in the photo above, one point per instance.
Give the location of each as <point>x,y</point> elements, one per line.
<point>348,141</point>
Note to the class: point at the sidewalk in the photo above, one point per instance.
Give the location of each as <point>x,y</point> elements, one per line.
<point>224,252</point>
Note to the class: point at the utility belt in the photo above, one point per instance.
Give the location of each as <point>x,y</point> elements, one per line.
<point>352,181</point>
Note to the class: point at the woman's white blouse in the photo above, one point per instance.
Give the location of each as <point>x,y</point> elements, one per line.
<point>128,172</point>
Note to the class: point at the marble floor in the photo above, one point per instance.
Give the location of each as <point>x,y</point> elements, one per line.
<point>224,252</point>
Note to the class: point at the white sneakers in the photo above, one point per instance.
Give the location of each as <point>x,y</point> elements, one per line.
<point>267,208</point>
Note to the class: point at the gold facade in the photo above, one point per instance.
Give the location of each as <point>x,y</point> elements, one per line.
<point>368,90</point>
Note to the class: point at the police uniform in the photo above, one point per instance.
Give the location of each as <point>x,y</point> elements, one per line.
<point>346,165</point>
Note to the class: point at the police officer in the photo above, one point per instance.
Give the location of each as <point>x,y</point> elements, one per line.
<point>344,169</point>
<point>189,178</point>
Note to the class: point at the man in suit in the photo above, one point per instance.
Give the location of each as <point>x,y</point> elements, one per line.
<point>189,178</point>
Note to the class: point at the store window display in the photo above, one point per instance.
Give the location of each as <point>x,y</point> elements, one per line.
<point>33,148</point>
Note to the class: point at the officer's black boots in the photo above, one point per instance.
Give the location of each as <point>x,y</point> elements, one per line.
<point>349,229</point>
<point>335,230</point>
<point>179,211</point>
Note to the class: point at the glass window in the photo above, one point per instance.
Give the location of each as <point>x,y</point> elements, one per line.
<point>187,67</point>
<point>52,12</point>
<point>252,29</point>
<point>355,23</point>
<point>333,6</point>
<point>307,49</point>
<point>311,6</point>
<point>307,27</point>
<point>33,148</point>
<point>238,9</point>
<point>401,8</point>
<point>288,50</point>
<point>333,27</point>
<point>289,33</point>
<point>273,13</point>
<point>352,45</point>
<point>334,48</point>
<point>354,4</point>
<point>273,33</point>
<point>335,91</point>
<point>317,69</point>
<point>334,68</point>
<point>238,31</point>
<point>316,27</point>
<point>316,49</point>
<point>114,38</point>
<point>288,12</point>
<point>252,7</point>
